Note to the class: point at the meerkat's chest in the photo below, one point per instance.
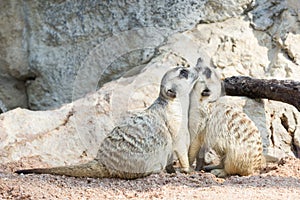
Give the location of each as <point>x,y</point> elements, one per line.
<point>175,114</point>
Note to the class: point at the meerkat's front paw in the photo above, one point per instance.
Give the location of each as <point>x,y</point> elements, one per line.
<point>220,173</point>
<point>187,170</point>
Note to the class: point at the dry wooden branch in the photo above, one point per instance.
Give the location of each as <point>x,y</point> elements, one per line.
<point>287,91</point>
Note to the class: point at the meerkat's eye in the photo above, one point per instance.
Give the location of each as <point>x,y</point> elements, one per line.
<point>171,93</point>
<point>184,73</point>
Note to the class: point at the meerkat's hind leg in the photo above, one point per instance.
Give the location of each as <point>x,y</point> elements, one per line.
<point>199,163</point>
<point>217,170</point>
<point>200,160</point>
<point>205,156</point>
<point>209,168</point>
<point>220,173</point>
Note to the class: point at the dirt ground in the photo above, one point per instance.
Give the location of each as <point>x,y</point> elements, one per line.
<point>277,181</point>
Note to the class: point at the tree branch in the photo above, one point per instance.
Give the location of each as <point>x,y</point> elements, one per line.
<point>287,91</point>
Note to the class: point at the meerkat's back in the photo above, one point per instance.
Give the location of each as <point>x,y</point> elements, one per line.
<point>234,137</point>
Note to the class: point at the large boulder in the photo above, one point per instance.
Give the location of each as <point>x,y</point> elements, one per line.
<point>71,60</point>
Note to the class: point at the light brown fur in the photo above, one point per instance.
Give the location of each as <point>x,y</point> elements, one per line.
<point>235,139</point>
<point>145,142</point>
<point>223,129</point>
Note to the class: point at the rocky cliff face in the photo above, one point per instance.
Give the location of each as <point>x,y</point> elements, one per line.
<point>54,52</point>
<point>45,44</point>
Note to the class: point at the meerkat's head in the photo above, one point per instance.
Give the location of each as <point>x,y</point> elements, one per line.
<point>209,85</point>
<point>178,82</point>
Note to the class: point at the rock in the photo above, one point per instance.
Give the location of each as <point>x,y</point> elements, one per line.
<point>291,47</point>
<point>12,93</point>
<point>216,11</point>
<point>283,123</point>
<point>72,133</point>
<point>54,40</point>
<point>2,107</point>
<point>123,49</point>
<point>13,40</point>
<point>264,14</point>
<point>14,66</point>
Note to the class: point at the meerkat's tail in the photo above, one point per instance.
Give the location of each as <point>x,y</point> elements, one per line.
<point>92,169</point>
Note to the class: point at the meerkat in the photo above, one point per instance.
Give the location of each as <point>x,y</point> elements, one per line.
<point>144,143</point>
<point>208,88</point>
<point>235,139</point>
<point>222,129</point>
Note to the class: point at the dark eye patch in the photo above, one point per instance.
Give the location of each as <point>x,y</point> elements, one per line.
<point>184,73</point>
<point>207,72</point>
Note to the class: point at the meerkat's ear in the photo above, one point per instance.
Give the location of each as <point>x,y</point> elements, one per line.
<point>203,68</point>
<point>171,93</point>
<point>199,64</point>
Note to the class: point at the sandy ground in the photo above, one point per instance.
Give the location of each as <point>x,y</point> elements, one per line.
<point>277,181</point>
